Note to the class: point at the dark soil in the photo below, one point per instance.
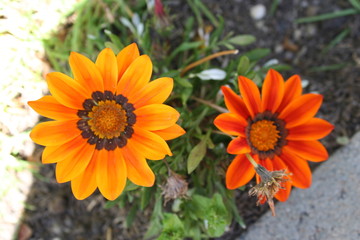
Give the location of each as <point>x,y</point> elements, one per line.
<point>58,215</point>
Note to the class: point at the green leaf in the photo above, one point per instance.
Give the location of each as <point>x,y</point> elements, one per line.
<point>146,194</point>
<point>257,53</point>
<point>217,216</point>
<point>173,228</point>
<point>184,47</point>
<point>355,3</point>
<point>196,155</point>
<point>244,65</point>
<point>326,16</point>
<point>242,40</point>
<point>336,40</point>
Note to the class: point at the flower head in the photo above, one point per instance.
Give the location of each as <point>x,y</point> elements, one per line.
<point>108,120</point>
<point>176,187</point>
<point>278,129</point>
<point>270,184</point>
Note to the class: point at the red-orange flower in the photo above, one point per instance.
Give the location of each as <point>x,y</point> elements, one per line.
<point>108,120</point>
<point>277,128</point>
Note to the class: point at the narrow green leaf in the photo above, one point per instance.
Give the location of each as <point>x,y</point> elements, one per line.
<point>257,53</point>
<point>326,16</point>
<point>244,65</point>
<point>355,3</point>
<point>196,155</point>
<point>336,40</point>
<point>242,40</point>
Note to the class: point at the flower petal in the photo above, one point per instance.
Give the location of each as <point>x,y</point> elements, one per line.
<point>156,91</point>
<point>239,173</point>
<point>84,185</point>
<point>152,146</point>
<point>301,173</point>
<point>49,107</point>
<point>234,103</point>
<point>293,89</point>
<point>301,110</point>
<point>111,173</point>
<point>53,154</point>
<point>54,133</point>
<point>136,76</point>
<point>125,57</point>
<point>272,91</point>
<point>156,117</point>
<point>107,65</point>
<point>75,163</point>
<point>238,145</point>
<point>283,194</point>
<point>231,124</point>
<point>171,132</point>
<point>251,95</point>
<point>66,90</point>
<point>138,171</point>
<point>309,150</point>
<point>314,129</point>
<point>85,72</point>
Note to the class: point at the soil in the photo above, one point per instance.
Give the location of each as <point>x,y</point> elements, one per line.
<point>55,214</point>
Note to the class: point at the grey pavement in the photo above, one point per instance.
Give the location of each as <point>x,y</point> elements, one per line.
<point>329,209</point>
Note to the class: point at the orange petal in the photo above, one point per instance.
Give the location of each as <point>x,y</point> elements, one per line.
<point>53,154</point>
<point>111,173</point>
<point>272,91</point>
<point>54,133</point>
<point>138,171</point>
<point>149,144</point>
<point>126,57</point>
<point>301,110</point>
<point>49,107</point>
<point>136,76</point>
<point>156,117</point>
<point>238,145</point>
<point>293,89</point>
<point>314,129</point>
<point>156,91</point>
<point>66,90</point>
<point>301,173</point>
<point>234,103</point>
<point>251,95</point>
<point>84,185</point>
<point>231,124</point>
<point>309,150</point>
<point>75,163</point>
<point>107,65</point>
<point>171,132</point>
<point>86,72</point>
<point>239,173</point>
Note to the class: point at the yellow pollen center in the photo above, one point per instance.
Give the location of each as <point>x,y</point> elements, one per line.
<point>264,135</point>
<point>108,119</point>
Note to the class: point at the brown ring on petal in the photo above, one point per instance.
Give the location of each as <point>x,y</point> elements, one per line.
<point>266,135</point>
<point>106,120</point>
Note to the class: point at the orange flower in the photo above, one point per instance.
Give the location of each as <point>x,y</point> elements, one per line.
<point>278,129</point>
<point>108,120</point>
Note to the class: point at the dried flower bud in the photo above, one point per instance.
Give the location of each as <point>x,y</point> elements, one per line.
<point>269,185</point>
<point>176,187</point>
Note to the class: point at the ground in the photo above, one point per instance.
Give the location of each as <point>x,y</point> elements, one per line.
<point>53,213</point>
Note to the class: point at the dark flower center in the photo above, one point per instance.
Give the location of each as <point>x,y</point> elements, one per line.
<point>266,135</point>
<point>107,120</point>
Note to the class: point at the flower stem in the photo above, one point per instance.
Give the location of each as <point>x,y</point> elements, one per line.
<point>251,160</point>
<point>215,55</point>
<point>210,104</point>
